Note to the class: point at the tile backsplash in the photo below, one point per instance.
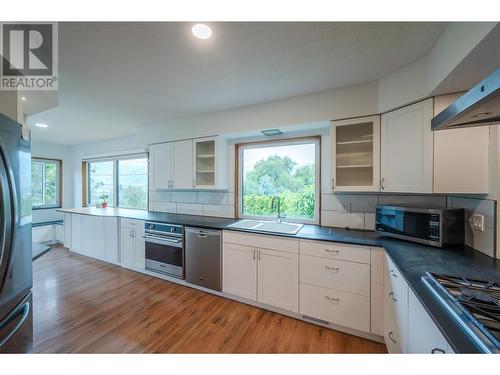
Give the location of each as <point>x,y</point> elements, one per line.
<point>207,203</point>
<point>358,211</point>
<point>341,210</point>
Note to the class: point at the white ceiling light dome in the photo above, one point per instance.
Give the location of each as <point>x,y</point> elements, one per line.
<point>202,31</point>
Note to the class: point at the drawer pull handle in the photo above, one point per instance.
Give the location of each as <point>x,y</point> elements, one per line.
<point>391,294</point>
<point>393,274</point>
<point>332,269</point>
<point>390,336</point>
<point>332,300</point>
<point>438,351</point>
<point>332,252</point>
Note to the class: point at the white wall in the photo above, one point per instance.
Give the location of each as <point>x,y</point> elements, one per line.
<point>64,153</point>
<point>420,79</point>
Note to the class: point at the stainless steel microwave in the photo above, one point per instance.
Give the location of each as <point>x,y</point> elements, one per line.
<point>430,226</point>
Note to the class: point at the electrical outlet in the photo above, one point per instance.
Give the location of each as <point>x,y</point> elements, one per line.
<point>478,222</point>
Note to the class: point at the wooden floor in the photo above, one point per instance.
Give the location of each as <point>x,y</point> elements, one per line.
<point>83,305</point>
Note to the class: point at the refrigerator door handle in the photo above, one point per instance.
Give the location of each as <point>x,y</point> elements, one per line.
<point>7,194</point>
<point>21,314</point>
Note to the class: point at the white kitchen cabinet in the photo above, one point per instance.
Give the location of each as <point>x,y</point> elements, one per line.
<point>99,237</point>
<point>377,290</point>
<point>160,166</point>
<point>88,235</point>
<point>335,283</point>
<point>189,164</point>
<point>356,154</point>
<point>261,268</point>
<point>67,230</point>
<point>348,277</point>
<point>127,246</point>
<point>278,282</point>
<point>77,232</point>
<point>132,244</point>
<point>182,158</point>
<point>461,156</point>
<point>240,270</point>
<point>111,239</point>
<point>423,335</point>
<point>406,149</point>
<point>210,163</point>
<point>345,309</point>
<point>395,309</point>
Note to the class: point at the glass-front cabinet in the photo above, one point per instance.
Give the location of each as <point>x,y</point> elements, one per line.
<point>204,162</point>
<point>356,154</point>
<point>210,163</point>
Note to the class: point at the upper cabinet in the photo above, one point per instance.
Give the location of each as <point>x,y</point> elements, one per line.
<point>209,163</point>
<point>355,154</point>
<point>182,177</point>
<point>406,149</point>
<point>189,164</point>
<point>160,166</point>
<point>461,156</point>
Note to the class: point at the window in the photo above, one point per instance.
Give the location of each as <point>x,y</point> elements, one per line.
<point>45,183</point>
<point>288,170</point>
<point>121,182</point>
<point>133,183</point>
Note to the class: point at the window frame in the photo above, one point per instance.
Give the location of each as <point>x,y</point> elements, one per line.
<point>59,186</point>
<point>279,142</point>
<point>116,183</point>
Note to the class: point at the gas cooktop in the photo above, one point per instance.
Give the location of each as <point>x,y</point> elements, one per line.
<point>475,303</point>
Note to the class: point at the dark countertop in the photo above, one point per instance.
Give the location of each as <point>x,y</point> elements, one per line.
<point>413,260</point>
<point>310,232</point>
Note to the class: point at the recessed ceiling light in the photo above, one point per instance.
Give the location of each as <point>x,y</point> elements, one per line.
<point>201,31</point>
<point>23,98</point>
<point>41,125</point>
<point>483,114</point>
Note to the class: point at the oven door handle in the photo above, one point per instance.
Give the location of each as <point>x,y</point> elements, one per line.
<point>162,240</point>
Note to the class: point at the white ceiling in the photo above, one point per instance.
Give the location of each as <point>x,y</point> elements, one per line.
<point>115,77</point>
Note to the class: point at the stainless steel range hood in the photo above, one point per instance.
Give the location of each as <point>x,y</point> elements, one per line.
<point>478,106</point>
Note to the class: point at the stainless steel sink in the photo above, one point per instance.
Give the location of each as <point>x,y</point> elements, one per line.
<point>267,226</point>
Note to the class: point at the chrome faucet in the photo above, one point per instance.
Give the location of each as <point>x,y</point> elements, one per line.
<point>274,201</point>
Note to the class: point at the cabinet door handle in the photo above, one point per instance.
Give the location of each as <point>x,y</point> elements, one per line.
<point>173,183</point>
<point>382,183</point>
<point>438,351</point>
<point>333,184</point>
<point>391,294</point>
<point>254,253</point>
<point>393,274</point>
<point>258,254</point>
<point>332,269</point>
<point>332,252</point>
<point>390,337</point>
<point>194,183</point>
<point>332,300</point>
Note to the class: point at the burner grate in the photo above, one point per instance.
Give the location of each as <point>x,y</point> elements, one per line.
<point>481,299</point>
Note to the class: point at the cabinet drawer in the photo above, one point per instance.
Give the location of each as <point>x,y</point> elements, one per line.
<point>340,308</point>
<point>290,245</point>
<point>132,223</point>
<point>335,274</point>
<point>334,250</point>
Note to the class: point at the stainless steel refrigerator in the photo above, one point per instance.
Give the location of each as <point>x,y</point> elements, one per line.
<point>16,318</point>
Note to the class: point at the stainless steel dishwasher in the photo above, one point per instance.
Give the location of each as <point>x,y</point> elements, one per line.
<point>203,257</point>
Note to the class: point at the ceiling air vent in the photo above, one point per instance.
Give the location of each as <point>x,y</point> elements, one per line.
<point>269,132</point>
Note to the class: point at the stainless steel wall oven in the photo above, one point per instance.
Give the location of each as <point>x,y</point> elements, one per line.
<point>164,248</point>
